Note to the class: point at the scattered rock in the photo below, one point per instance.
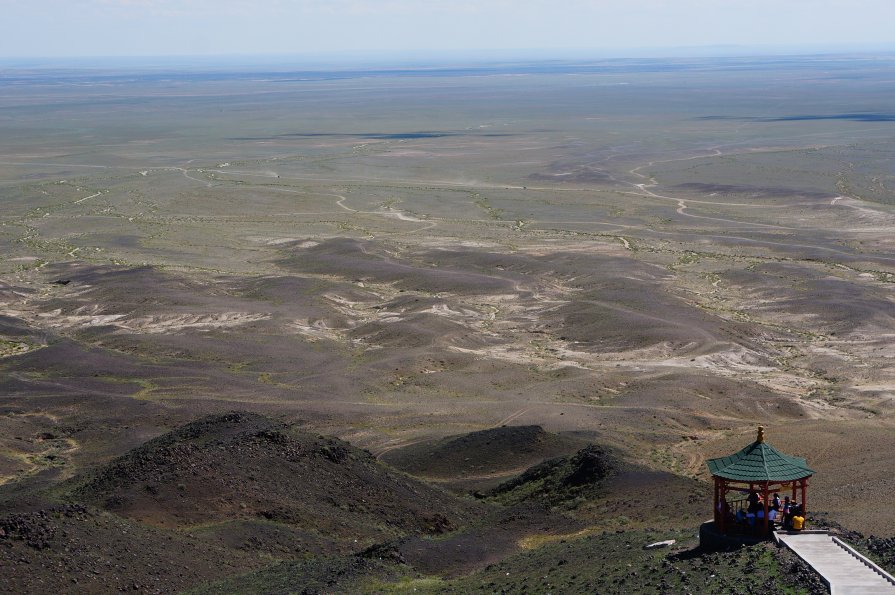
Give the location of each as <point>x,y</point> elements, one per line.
<point>666,543</point>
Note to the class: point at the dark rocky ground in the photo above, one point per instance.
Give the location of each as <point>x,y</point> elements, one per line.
<point>238,502</point>
<point>78,549</point>
<point>617,563</point>
<point>244,467</point>
<point>614,562</point>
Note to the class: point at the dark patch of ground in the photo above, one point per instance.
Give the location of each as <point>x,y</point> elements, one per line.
<point>574,175</point>
<point>418,331</point>
<point>270,537</point>
<point>155,288</point>
<point>245,466</point>
<point>315,576</point>
<point>849,117</point>
<point>492,538</point>
<point>561,479</point>
<point>496,451</point>
<point>600,487</point>
<point>417,135</point>
<point>13,292</point>
<point>77,549</point>
<point>691,398</point>
<point>857,117</point>
<point>358,259</point>
<point>752,191</point>
<point>833,305</point>
<point>620,314</point>
<point>13,327</point>
<point>615,563</point>
<point>618,563</point>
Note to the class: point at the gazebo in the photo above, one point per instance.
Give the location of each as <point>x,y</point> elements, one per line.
<point>758,468</point>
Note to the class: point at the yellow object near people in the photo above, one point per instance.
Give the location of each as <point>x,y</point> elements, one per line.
<point>798,522</point>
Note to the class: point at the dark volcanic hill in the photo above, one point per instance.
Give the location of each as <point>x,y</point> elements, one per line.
<point>76,549</point>
<point>240,467</point>
<point>600,485</point>
<point>562,478</point>
<point>496,451</point>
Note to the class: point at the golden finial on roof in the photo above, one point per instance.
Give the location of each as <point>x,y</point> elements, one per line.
<point>760,434</point>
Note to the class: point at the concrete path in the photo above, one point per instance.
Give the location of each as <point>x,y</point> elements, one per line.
<point>844,570</point>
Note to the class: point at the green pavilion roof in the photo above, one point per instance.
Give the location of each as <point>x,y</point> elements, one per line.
<point>759,462</point>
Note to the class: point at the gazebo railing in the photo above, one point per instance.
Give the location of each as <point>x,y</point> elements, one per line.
<point>736,521</point>
<point>737,505</point>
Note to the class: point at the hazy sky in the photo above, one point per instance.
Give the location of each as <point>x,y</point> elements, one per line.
<point>70,28</point>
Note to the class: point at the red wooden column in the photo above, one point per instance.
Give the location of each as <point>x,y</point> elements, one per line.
<point>723,487</point>
<point>804,497</point>
<point>764,496</point>
<point>716,503</point>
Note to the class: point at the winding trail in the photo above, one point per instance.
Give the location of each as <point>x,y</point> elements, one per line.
<point>682,206</point>
<point>512,416</point>
<point>80,200</point>
<point>393,444</point>
<point>186,174</point>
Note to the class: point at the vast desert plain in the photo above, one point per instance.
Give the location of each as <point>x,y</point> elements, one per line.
<point>651,256</point>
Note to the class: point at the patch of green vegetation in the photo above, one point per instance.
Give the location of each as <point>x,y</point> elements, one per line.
<point>32,265</point>
<point>238,367</point>
<point>406,584</point>
<point>482,203</point>
<point>712,278</point>
<point>8,347</point>
<point>663,459</point>
<point>147,387</point>
<point>688,257</point>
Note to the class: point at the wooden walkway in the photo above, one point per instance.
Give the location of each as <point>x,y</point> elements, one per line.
<point>845,571</point>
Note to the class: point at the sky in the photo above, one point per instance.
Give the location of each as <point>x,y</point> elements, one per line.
<point>109,28</point>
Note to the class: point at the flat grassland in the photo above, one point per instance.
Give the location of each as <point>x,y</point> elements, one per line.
<point>656,256</point>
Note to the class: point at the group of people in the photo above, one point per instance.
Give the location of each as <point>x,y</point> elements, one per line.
<point>790,515</point>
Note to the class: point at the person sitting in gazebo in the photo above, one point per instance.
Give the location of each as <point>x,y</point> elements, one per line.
<point>789,512</point>
<point>754,501</point>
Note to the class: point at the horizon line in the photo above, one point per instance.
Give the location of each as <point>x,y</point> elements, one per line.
<point>483,55</point>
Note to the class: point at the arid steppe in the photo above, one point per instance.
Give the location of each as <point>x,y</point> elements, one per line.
<point>653,256</point>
